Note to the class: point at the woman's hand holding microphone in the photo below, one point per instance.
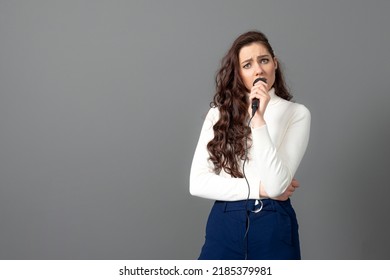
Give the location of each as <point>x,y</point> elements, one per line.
<point>259,91</point>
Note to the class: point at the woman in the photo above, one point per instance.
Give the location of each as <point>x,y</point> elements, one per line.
<point>246,160</point>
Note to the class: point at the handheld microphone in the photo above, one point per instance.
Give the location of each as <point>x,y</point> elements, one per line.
<point>255,101</point>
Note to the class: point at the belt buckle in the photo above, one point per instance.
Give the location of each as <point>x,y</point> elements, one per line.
<point>257,207</point>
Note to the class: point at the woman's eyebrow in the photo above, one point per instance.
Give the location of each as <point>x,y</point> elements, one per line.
<point>247,60</point>
<point>251,59</point>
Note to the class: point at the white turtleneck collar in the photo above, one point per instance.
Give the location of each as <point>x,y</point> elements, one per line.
<point>274,98</point>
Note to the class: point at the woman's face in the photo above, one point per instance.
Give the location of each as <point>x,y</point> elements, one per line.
<point>256,62</point>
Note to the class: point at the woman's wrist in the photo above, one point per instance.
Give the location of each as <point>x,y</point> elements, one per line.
<point>257,122</point>
<point>262,192</point>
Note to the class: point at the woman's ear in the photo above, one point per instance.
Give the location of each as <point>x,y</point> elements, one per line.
<point>276,63</point>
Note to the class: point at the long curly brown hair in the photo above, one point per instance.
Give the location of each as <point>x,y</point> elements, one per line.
<point>231,132</point>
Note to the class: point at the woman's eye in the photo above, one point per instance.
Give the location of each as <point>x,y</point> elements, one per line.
<point>264,61</point>
<point>248,65</point>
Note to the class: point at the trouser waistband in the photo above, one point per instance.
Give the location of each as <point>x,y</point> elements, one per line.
<point>253,205</point>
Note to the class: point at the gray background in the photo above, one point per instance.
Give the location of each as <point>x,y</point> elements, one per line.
<point>101,105</point>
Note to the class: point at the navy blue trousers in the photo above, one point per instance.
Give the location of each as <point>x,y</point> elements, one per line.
<point>272,232</point>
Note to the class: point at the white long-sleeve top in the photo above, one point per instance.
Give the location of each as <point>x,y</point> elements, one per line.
<point>277,149</point>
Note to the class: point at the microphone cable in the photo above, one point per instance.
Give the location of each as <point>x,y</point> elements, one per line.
<point>249,191</point>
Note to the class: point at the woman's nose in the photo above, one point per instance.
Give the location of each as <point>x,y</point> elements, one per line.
<point>258,69</point>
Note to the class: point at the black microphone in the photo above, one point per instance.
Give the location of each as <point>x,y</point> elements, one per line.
<point>255,101</point>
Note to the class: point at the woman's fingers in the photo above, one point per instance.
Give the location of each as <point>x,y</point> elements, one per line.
<point>295,183</point>
<point>260,92</point>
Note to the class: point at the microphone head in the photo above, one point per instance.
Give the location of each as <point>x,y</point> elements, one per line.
<point>259,79</point>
